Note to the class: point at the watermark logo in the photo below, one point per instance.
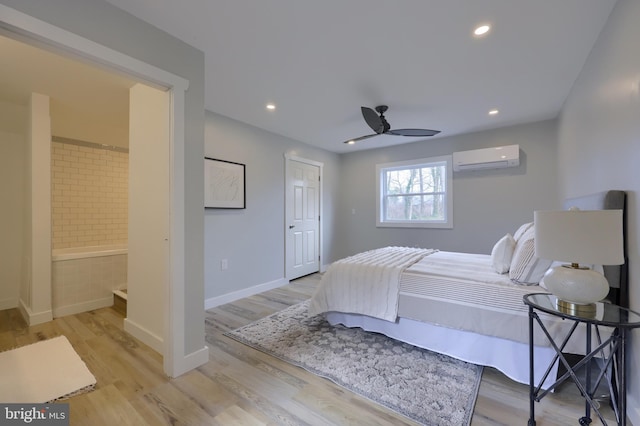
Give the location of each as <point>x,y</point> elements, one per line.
<point>34,414</point>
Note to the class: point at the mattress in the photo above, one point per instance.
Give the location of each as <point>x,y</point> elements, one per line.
<point>462,291</point>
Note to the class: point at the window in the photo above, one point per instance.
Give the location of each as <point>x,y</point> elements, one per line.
<point>415,193</point>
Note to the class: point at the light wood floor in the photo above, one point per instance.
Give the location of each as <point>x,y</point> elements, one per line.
<point>241,386</point>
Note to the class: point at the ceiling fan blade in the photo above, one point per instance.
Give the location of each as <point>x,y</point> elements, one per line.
<point>361,138</point>
<point>413,132</point>
<point>373,119</point>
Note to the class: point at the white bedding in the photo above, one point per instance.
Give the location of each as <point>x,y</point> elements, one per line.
<point>367,283</point>
<point>467,266</point>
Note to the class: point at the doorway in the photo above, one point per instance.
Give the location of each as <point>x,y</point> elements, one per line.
<point>303,221</point>
<point>98,169</point>
<point>24,27</point>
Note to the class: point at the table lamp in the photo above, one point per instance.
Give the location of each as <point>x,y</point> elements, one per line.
<point>581,237</point>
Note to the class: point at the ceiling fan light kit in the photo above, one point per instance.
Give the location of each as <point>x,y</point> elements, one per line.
<point>379,124</point>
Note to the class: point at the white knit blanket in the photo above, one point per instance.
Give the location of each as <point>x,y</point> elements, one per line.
<point>367,283</point>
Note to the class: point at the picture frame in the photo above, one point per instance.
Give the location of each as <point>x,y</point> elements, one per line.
<point>224,184</point>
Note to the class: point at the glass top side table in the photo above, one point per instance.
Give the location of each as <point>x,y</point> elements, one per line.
<point>611,350</point>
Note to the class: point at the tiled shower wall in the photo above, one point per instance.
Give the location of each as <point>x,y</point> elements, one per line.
<point>89,195</point>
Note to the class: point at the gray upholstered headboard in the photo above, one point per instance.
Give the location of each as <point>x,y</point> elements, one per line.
<point>617,275</point>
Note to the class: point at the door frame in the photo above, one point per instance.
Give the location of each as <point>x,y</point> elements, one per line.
<point>25,28</point>
<point>291,157</point>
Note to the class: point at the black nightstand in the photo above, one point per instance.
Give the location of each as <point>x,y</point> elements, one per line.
<point>610,350</point>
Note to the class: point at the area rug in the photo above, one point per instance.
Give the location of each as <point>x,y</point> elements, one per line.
<point>43,372</point>
<point>427,387</point>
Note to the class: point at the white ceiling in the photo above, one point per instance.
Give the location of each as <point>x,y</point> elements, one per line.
<point>319,61</point>
<point>78,91</point>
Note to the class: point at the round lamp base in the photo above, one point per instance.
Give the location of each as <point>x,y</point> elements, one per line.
<point>575,286</point>
<point>575,308</point>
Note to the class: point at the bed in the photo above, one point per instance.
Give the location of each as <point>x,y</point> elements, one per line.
<point>468,306</point>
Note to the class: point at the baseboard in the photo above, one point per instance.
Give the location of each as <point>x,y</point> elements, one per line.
<point>32,318</point>
<point>82,307</point>
<point>241,294</point>
<point>191,361</point>
<point>145,336</point>
<point>8,303</point>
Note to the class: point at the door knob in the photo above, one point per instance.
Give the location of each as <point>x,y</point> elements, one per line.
<point>291,226</point>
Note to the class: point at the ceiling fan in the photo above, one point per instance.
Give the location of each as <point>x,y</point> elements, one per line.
<point>380,126</point>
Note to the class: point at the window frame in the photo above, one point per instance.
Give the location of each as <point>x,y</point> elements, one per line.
<point>447,223</point>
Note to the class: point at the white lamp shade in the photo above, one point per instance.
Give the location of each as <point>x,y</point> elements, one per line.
<point>580,236</point>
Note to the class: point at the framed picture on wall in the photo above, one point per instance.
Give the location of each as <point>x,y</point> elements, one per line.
<point>224,184</point>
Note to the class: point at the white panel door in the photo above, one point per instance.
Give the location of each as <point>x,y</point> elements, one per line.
<point>302,219</point>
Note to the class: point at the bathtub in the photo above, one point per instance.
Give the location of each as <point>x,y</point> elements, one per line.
<point>86,252</point>
<point>84,278</point>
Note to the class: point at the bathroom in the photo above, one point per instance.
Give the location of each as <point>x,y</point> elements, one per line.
<point>89,205</point>
<point>67,183</point>
<point>83,124</point>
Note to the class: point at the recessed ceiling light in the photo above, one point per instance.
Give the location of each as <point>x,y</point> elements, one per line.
<point>493,112</point>
<point>481,30</point>
<point>351,142</point>
<point>271,107</point>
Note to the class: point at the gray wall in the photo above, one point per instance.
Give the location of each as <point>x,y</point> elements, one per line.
<point>487,204</point>
<point>252,239</point>
<point>599,143</point>
<point>109,26</point>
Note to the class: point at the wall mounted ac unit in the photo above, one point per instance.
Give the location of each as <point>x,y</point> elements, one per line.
<point>488,158</point>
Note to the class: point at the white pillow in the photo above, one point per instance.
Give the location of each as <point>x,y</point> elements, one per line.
<point>520,232</point>
<point>526,268</point>
<point>502,253</point>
